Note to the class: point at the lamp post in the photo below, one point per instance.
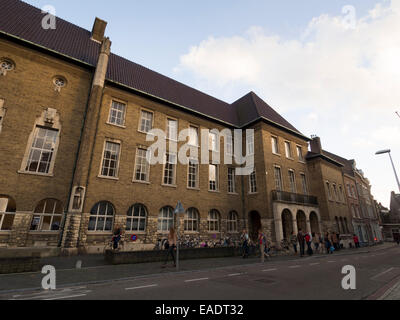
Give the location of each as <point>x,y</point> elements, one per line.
<point>179,209</point>
<point>391,160</point>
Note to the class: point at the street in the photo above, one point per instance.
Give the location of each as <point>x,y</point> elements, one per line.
<point>308,278</point>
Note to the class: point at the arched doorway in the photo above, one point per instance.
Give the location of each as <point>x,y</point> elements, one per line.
<point>287,224</point>
<point>254,225</point>
<point>301,221</point>
<point>314,223</point>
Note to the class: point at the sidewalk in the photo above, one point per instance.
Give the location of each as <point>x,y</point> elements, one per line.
<point>95,270</point>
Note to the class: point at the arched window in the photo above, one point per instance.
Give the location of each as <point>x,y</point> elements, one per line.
<point>47,215</point>
<point>192,220</point>
<point>136,220</point>
<point>232,221</point>
<point>165,219</point>
<point>7,213</point>
<point>213,221</point>
<point>101,217</point>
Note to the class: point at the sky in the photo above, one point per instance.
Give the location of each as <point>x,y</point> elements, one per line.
<point>331,68</point>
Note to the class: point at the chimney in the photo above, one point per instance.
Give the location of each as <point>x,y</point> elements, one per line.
<point>99,29</point>
<point>316,145</point>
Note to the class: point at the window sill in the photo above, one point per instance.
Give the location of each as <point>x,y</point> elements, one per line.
<point>233,193</point>
<point>214,191</point>
<point>290,158</point>
<point>302,161</point>
<point>252,193</point>
<point>191,232</point>
<point>100,233</point>
<point>116,125</point>
<point>143,132</point>
<point>194,189</point>
<point>169,185</point>
<point>130,233</point>
<point>108,178</point>
<point>49,232</point>
<point>141,182</point>
<point>36,174</point>
<point>277,154</point>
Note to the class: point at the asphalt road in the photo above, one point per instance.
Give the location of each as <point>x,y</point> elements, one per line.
<point>315,278</point>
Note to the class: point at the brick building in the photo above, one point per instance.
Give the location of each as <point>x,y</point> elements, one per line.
<point>74,119</point>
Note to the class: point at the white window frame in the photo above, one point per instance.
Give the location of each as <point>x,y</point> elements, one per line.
<point>165,218</point>
<point>105,216</point>
<point>250,144</point>
<point>116,142</point>
<point>192,217</point>
<point>139,218</point>
<point>231,180</point>
<point>120,115</point>
<point>142,112</point>
<point>214,221</point>
<point>5,213</point>
<point>145,165</point>
<point>304,183</point>
<point>194,162</point>
<point>174,164</point>
<point>300,155</point>
<point>253,182</point>
<point>42,215</point>
<point>292,184</point>
<point>280,178</point>
<point>229,143</point>
<point>232,222</point>
<point>213,141</point>
<point>275,143</point>
<point>175,138</point>
<point>288,150</point>
<point>216,178</point>
<point>192,128</point>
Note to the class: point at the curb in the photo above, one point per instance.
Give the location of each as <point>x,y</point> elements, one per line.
<point>383,292</point>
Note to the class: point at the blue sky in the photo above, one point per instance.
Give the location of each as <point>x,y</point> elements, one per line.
<point>324,76</point>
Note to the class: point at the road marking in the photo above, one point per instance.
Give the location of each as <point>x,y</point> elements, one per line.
<point>66,297</point>
<point>314,264</point>
<point>193,280</point>
<point>294,267</point>
<point>268,270</point>
<point>382,273</point>
<point>142,287</point>
<point>234,274</point>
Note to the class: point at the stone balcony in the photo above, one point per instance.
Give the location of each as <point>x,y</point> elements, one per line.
<point>294,198</point>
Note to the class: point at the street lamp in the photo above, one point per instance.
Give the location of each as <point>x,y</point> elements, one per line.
<point>391,160</point>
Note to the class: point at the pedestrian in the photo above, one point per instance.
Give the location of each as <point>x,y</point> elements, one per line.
<point>171,247</point>
<point>116,238</point>
<point>328,243</point>
<point>356,241</point>
<point>301,240</point>
<point>262,240</point>
<point>308,239</point>
<point>293,241</point>
<point>334,240</point>
<point>245,243</point>
<point>315,240</point>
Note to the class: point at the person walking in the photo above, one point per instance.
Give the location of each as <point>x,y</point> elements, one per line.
<point>315,241</point>
<point>356,241</point>
<point>171,247</point>
<point>293,241</point>
<point>308,238</point>
<point>334,240</point>
<point>301,240</point>
<point>262,240</point>
<point>328,243</point>
<point>245,243</point>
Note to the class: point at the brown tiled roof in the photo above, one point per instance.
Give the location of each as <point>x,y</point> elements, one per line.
<point>347,164</point>
<point>24,21</point>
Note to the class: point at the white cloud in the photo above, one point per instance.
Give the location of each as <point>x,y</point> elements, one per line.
<point>339,82</point>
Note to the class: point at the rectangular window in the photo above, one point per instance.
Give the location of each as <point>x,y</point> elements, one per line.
<point>117,113</point>
<point>292,181</point>
<point>213,177</point>
<point>341,194</point>
<point>169,169</point>
<point>253,182</point>
<point>172,129</point>
<point>288,150</point>
<point>300,153</point>
<point>193,174</point>
<point>335,193</point>
<point>229,145</point>
<point>304,183</point>
<point>250,144</point>
<point>193,136</point>
<point>275,147</point>
<point>231,180</point>
<point>146,121</point>
<point>213,142</point>
<point>142,165</point>
<point>110,163</point>
<point>278,178</point>
<point>328,187</point>
<point>42,149</point>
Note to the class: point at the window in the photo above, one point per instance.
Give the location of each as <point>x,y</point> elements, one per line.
<point>193,136</point>
<point>142,167</point>
<point>101,217</point>
<point>300,153</point>
<point>213,177</point>
<point>231,180</point>
<point>253,182</point>
<point>109,167</point>
<point>7,213</point>
<point>136,220</point>
<point>47,216</point>
<point>165,219</point>
<point>41,153</point>
<point>292,181</point>
<point>250,143</point>
<point>288,150</point>
<point>275,146</point>
<point>278,178</point>
<point>232,221</point>
<point>353,192</point>
<point>348,190</point>
<point>335,192</point>
<point>213,141</point>
<point>213,221</point>
<point>146,121</point>
<point>172,129</point>
<point>229,144</point>
<point>117,113</point>
<point>329,190</point>
<point>341,197</point>
<point>169,169</point>
<point>193,174</point>
<point>6,65</point>
<point>192,220</point>
<point>304,183</point>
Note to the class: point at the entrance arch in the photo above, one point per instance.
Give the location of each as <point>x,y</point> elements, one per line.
<point>254,225</point>
<point>301,221</point>
<point>287,223</point>
<point>314,223</point>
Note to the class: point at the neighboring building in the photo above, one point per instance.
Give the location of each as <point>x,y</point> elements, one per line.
<point>395,205</point>
<point>390,219</point>
<point>74,118</point>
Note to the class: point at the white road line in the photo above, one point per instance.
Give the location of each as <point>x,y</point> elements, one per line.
<point>193,280</point>
<point>66,297</point>
<point>269,270</point>
<point>142,287</point>
<point>382,273</point>
<point>234,274</point>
